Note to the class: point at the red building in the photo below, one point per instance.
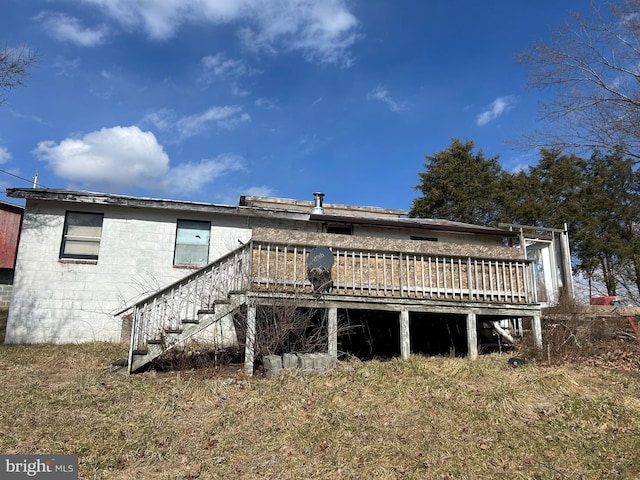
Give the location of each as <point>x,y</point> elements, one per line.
<point>10,222</point>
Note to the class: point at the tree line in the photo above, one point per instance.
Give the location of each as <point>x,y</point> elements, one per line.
<point>597,197</point>
<point>589,150</point>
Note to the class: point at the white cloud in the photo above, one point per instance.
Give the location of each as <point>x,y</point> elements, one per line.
<point>193,176</point>
<point>498,107</point>
<point>68,29</point>
<point>228,116</point>
<point>381,94</point>
<point>112,157</point>
<point>5,156</point>
<point>121,158</point>
<point>323,30</point>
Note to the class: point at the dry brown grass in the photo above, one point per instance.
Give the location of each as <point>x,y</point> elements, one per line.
<point>4,313</point>
<point>431,418</point>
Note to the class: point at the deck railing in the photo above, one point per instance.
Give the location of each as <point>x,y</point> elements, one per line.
<point>266,266</point>
<point>398,274</point>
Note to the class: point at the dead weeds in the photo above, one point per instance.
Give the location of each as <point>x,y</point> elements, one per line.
<point>421,418</point>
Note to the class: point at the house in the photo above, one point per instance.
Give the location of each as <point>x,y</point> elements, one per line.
<point>94,266</point>
<point>10,221</point>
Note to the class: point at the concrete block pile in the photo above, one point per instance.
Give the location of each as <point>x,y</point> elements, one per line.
<point>307,363</point>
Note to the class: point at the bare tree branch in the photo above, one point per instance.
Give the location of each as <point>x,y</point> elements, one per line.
<point>14,64</point>
<point>593,65</point>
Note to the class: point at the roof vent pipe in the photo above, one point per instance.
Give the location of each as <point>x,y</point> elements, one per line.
<point>318,199</point>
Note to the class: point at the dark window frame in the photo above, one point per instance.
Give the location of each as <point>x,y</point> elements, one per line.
<point>66,237</point>
<point>177,243</point>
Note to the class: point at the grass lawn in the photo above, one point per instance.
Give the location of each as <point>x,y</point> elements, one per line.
<point>432,418</point>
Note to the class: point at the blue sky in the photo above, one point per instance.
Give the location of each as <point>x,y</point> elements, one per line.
<point>208,100</point>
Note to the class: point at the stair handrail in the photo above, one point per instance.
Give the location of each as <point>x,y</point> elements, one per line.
<point>182,280</point>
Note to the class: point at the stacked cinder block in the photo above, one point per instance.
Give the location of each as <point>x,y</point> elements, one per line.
<point>307,363</point>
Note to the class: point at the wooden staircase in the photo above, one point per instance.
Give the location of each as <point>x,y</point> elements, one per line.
<point>200,306</point>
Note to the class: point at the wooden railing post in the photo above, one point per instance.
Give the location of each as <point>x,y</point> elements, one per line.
<point>405,339</point>
<point>400,273</point>
<point>249,345</point>
<point>472,335</point>
<point>332,334</point>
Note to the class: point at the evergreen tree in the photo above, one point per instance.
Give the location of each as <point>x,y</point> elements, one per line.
<point>460,185</point>
<point>606,237</point>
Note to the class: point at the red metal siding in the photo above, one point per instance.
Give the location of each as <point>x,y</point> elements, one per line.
<point>9,233</point>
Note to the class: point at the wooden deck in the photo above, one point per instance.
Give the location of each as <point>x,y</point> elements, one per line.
<point>368,273</point>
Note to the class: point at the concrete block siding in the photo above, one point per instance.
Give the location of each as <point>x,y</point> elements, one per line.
<point>60,301</point>
<point>5,295</point>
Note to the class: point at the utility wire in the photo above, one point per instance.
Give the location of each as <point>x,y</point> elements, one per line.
<point>22,178</point>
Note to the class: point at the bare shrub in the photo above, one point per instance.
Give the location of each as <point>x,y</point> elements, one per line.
<point>570,334</point>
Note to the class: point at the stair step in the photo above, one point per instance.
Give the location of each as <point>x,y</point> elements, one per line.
<point>176,331</point>
<point>206,311</point>
<point>154,341</point>
<point>140,352</point>
<point>123,362</point>
<point>190,321</point>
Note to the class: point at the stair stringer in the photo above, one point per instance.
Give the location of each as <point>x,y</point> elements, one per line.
<point>222,313</point>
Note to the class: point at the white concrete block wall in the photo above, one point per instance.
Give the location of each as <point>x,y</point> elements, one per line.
<point>64,301</point>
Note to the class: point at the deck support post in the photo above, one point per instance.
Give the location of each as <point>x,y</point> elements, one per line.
<point>405,338</point>
<point>332,338</point>
<point>250,340</point>
<point>536,329</point>
<point>472,335</point>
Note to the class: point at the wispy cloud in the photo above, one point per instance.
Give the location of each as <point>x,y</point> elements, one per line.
<point>64,67</point>
<point>5,156</point>
<point>66,28</point>
<point>266,103</point>
<point>238,91</point>
<point>381,94</point>
<point>228,116</point>
<point>323,32</point>
<point>221,66</point>
<point>193,176</point>
<point>233,70</point>
<point>497,108</point>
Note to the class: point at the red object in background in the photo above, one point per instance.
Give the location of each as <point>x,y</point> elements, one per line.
<point>610,300</point>
<point>613,301</point>
<point>10,220</point>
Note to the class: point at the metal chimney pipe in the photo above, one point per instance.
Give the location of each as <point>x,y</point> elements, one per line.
<point>318,199</point>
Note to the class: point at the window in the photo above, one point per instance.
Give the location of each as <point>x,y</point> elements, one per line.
<point>81,238</point>
<point>424,239</point>
<point>340,229</point>
<point>192,243</point>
